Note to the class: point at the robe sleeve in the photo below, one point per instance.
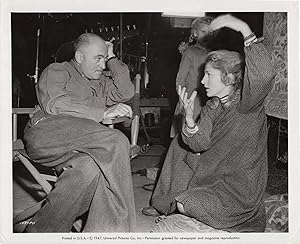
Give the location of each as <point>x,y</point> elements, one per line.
<point>258,77</point>
<point>201,140</point>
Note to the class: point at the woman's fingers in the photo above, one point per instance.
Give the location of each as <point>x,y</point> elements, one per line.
<point>185,95</point>
<point>179,90</point>
<point>193,96</point>
<point>183,91</point>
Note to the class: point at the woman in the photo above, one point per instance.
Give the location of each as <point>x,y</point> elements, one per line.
<point>216,170</point>
<point>190,70</point>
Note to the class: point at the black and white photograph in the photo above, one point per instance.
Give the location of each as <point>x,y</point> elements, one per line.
<point>138,123</point>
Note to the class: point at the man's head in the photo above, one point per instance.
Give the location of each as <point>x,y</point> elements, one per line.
<point>90,54</point>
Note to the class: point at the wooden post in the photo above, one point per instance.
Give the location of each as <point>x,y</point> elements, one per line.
<point>121,36</point>
<point>136,119</point>
<point>15,129</point>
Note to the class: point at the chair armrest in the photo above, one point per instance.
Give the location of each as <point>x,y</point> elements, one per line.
<point>23,110</point>
<point>15,112</point>
<point>113,121</point>
<point>17,145</point>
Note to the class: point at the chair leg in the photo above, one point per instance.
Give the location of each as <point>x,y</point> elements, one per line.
<point>34,172</point>
<point>134,130</point>
<point>144,128</point>
<point>78,225</point>
<point>27,213</point>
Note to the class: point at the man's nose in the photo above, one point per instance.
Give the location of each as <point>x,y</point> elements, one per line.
<point>102,64</point>
<point>203,81</point>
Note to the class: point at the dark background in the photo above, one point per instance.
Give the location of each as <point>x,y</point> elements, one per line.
<point>58,28</point>
<point>163,59</point>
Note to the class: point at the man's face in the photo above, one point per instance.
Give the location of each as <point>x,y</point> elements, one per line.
<point>93,59</point>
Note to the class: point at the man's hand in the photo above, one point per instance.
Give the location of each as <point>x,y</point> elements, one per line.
<point>110,49</point>
<point>117,110</point>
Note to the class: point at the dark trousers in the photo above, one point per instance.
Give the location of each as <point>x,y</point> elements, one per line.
<point>97,178</point>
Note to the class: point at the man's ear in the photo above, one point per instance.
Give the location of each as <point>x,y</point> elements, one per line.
<point>229,79</point>
<point>78,56</point>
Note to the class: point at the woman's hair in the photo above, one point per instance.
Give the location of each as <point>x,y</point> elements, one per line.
<point>199,22</point>
<point>228,62</point>
<point>202,23</point>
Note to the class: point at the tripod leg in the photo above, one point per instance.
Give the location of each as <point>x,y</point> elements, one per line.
<point>144,128</point>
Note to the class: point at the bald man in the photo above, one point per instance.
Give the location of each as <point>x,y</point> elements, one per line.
<point>92,160</point>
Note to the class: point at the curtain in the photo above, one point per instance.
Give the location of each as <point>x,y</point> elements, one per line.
<point>275,34</point>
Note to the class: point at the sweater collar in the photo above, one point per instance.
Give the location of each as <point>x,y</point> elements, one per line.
<point>232,98</point>
<point>226,101</point>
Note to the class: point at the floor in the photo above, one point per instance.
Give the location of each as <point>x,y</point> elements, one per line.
<point>142,196</point>
<point>277,183</point>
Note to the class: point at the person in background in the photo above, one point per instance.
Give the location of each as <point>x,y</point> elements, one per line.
<point>190,70</point>
<point>216,169</point>
<point>91,160</point>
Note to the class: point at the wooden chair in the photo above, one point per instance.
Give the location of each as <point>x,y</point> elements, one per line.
<point>20,155</point>
<point>134,148</point>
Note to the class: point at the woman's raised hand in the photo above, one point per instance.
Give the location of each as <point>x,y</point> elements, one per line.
<point>231,22</point>
<point>187,103</point>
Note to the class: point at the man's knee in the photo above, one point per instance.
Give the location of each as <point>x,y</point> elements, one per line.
<point>120,138</point>
<point>83,167</point>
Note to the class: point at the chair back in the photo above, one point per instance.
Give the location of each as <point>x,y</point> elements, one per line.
<point>15,113</point>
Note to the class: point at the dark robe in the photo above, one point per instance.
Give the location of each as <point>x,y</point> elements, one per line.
<point>220,172</point>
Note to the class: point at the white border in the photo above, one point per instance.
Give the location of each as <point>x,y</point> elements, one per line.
<point>8,6</point>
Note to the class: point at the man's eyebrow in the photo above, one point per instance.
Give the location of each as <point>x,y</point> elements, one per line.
<point>100,56</point>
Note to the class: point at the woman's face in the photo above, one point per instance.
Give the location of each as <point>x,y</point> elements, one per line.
<point>200,32</point>
<point>213,83</point>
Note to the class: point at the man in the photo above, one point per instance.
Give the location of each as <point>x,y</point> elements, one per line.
<point>92,160</point>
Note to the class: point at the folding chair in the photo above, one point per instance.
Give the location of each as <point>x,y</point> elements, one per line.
<point>21,216</point>
<point>134,148</point>
<point>19,154</point>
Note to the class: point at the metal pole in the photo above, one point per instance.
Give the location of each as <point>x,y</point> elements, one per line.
<point>15,128</point>
<point>121,36</point>
<point>37,56</point>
